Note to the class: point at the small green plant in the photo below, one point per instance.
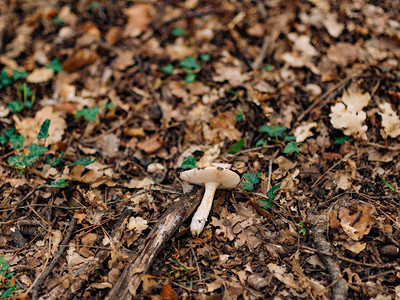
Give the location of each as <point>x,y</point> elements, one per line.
<point>83,161</point>
<point>272,131</point>
<point>16,140</point>
<point>168,68</point>
<point>191,66</point>
<point>7,281</point>
<point>23,99</point>
<point>261,142</point>
<point>176,31</point>
<point>249,180</point>
<point>267,203</point>
<point>21,161</point>
<point>89,114</point>
<point>340,140</point>
<point>268,67</point>
<point>55,65</point>
<point>302,229</point>
<point>289,137</point>
<point>389,185</point>
<point>189,162</point>
<point>60,183</point>
<point>292,147</point>
<point>235,148</point>
<point>5,80</point>
<point>17,75</point>
<point>205,57</point>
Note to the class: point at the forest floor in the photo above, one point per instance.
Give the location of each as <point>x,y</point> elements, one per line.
<point>104,104</point>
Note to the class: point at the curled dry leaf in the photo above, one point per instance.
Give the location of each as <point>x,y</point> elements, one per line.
<point>304,131</point>
<point>137,223</point>
<point>167,293</point>
<point>139,18</point>
<point>348,114</point>
<point>80,59</point>
<point>30,127</point>
<point>390,120</point>
<point>40,75</point>
<point>358,223</point>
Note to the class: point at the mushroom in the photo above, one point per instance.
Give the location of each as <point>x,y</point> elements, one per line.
<point>213,178</point>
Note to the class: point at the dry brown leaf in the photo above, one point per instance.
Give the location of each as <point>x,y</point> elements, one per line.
<point>113,35</point>
<point>280,273</point>
<point>224,123</point>
<point>304,131</point>
<point>137,223</point>
<point>358,223</point>
<point>80,59</point>
<point>390,120</point>
<point>167,293</point>
<point>30,127</point>
<point>348,114</point>
<point>151,145</point>
<point>40,75</point>
<point>139,18</point>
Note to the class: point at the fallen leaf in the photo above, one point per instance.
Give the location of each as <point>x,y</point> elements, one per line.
<point>304,131</point>
<point>30,127</point>
<point>151,145</point>
<point>137,223</point>
<point>40,75</point>
<point>167,293</point>
<point>390,120</point>
<point>348,114</point>
<point>139,18</point>
<point>358,223</point>
<point>80,59</point>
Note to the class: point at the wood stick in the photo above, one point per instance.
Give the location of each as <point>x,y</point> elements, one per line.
<point>131,277</point>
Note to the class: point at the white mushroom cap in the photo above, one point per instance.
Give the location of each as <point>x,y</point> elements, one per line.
<point>227,179</point>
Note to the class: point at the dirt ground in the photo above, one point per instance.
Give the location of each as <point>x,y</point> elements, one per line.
<point>104,103</point>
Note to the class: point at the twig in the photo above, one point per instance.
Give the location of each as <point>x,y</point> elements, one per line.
<point>131,277</point>
<point>195,14</point>
<point>60,252</point>
<point>383,147</point>
<point>340,161</point>
<point>339,285</point>
<point>18,203</point>
<point>196,261</point>
<point>327,95</point>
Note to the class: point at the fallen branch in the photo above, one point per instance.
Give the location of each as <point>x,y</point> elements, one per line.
<point>60,252</point>
<point>339,285</point>
<point>131,277</point>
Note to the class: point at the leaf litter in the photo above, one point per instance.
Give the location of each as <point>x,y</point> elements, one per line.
<point>300,100</point>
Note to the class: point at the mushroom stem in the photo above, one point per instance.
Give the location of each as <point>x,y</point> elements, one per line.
<point>202,212</point>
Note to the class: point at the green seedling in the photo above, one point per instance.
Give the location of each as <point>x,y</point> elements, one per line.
<point>235,148</point>
<point>272,131</point>
<point>60,183</point>
<point>292,147</point>
<point>302,229</point>
<point>249,180</point>
<point>5,80</point>
<point>8,281</point>
<point>271,196</point>
<point>17,75</point>
<point>261,142</point>
<point>340,140</point>
<point>89,114</point>
<point>54,162</point>
<point>189,162</point>
<point>289,137</point>
<point>168,68</point>
<point>389,185</point>
<point>55,65</point>
<point>16,140</point>
<point>44,130</point>
<point>83,161</point>
<point>268,67</point>
<point>205,57</point>
<point>176,31</point>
